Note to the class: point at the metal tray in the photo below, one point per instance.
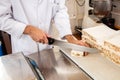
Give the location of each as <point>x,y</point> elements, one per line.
<point>15,67</point>
<point>54,65</point>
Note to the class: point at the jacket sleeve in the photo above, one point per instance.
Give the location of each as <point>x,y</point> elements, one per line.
<point>62,21</point>
<point>7,22</point>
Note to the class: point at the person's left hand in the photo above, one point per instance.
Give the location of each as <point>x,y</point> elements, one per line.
<point>72,39</point>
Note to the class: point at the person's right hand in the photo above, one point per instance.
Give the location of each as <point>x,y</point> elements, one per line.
<point>36,34</point>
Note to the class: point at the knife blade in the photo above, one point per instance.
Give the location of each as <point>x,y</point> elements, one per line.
<point>63,44</point>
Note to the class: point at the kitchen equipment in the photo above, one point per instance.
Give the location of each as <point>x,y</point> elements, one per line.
<point>63,44</point>
<point>99,8</point>
<point>54,65</point>
<point>96,65</point>
<point>1,51</point>
<point>87,20</point>
<point>16,67</point>
<point>102,8</point>
<point>110,22</point>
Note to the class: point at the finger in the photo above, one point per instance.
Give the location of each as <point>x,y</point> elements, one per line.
<point>36,39</point>
<point>41,41</point>
<point>81,43</point>
<point>45,40</point>
<point>84,43</point>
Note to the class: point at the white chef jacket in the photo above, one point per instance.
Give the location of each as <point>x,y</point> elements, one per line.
<point>16,14</point>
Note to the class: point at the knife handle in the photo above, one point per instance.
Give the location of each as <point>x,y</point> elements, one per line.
<point>50,40</point>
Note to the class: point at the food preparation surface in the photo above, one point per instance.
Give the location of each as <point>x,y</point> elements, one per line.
<point>15,67</point>
<point>97,66</point>
<point>55,66</point>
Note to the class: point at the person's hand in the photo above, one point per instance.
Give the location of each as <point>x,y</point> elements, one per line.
<point>36,34</point>
<point>72,39</point>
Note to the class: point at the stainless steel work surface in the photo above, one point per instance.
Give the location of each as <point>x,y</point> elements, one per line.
<point>15,67</point>
<point>55,66</point>
<point>96,65</point>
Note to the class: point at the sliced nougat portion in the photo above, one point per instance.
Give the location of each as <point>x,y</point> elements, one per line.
<point>113,43</point>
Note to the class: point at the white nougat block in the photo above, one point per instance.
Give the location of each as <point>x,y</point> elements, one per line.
<point>104,39</point>
<point>100,33</point>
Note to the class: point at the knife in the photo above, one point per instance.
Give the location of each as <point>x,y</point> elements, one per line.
<point>63,44</point>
